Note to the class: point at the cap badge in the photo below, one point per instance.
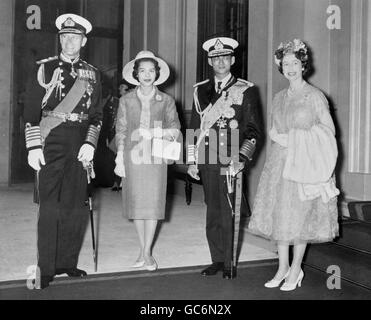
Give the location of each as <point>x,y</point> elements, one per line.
<point>218,45</point>
<point>69,23</point>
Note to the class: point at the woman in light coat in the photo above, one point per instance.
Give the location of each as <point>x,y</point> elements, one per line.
<point>144,112</point>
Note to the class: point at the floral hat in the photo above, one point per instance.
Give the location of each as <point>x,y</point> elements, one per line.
<point>289,47</point>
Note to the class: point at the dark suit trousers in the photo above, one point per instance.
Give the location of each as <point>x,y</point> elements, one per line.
<point>218,215</point>
<point>63,215</point>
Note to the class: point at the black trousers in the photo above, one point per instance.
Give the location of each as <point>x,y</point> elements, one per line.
<point>63,215</point>
<point>218,215</point>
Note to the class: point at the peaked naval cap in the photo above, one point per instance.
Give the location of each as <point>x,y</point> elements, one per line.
<point>220,46</point>
<point>73,23</point>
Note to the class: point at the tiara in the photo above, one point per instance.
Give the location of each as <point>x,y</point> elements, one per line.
<point>289,47</point>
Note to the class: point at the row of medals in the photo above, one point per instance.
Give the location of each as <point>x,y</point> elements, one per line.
<point>89,88</point>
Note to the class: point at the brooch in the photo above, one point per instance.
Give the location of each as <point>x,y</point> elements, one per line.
<point>233,124</point>
<point>158,97</point>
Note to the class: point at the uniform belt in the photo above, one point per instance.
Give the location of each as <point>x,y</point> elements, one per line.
<point>67,116</point>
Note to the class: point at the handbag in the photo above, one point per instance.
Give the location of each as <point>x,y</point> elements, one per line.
<point>166,149</point>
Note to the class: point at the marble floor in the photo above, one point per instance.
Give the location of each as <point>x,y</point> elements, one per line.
<point>180,240</point>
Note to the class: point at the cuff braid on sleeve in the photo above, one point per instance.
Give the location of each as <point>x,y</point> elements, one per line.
<point>191,157</point>
<point>93,135</point>
<point>248,148</point>
<point>33,137</point>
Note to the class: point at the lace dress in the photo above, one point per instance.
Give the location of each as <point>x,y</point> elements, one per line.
<point>296,200</point>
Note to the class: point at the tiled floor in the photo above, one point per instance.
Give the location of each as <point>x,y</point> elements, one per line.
<point>181,238</point>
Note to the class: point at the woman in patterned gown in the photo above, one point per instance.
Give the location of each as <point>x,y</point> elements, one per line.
<point>296,200</point>
<point>143,113</point>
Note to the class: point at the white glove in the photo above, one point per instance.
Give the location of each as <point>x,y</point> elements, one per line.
<point>36,159</point>
<point>120,167</point>
<point>86,153</point>
<point>193,171</point>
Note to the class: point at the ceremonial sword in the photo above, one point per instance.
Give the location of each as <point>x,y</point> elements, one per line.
<point>234,186</point>
<point>90,174</point>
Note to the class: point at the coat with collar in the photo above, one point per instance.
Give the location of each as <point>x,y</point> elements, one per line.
<point>144,186</point>
<point>162,109</point>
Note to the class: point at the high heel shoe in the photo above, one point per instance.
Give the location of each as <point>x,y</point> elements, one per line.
<point>151,266</point>
<point>292,286</point>
<point>276,283</point>
<point>138,264</point>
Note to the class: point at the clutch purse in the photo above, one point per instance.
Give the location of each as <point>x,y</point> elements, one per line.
<point>166,149</point>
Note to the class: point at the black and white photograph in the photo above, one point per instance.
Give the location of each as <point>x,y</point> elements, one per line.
<point>185,155</point>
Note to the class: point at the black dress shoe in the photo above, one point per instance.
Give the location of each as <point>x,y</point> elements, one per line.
<point>71,272</point>
<point>44,282</point>
<point>229,273</point>
<point>116,187</point>
<point>213,269</point>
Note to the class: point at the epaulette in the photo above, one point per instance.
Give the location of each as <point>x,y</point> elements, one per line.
<point>199,83</point>
<point>89,65</point>
<point>47,60</point>
<point>250,84</point>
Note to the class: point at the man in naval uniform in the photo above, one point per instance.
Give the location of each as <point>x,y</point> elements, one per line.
<point>63,118</point>
<point>225,112</point>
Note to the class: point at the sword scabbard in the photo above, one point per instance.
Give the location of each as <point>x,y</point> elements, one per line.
<point>237,215</point>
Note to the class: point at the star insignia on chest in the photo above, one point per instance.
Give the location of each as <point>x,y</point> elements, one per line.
<point>221,123</point>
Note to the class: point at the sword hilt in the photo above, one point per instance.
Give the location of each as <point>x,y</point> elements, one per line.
<point>89,167</point>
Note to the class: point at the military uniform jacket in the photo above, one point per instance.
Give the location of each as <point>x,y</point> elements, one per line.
<point>242,112</point>
<point>55,78</point>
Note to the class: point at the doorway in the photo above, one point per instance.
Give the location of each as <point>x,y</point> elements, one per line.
<point>223,18</point>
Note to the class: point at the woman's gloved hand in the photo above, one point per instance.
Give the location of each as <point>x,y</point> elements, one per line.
<point>120,167</point>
